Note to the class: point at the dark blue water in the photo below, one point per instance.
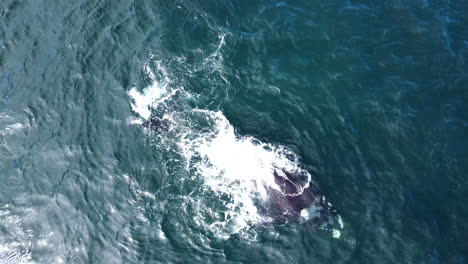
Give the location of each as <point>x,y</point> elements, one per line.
<point>365,100</point>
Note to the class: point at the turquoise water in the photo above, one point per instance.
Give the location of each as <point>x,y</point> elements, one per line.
<point>366,98</point>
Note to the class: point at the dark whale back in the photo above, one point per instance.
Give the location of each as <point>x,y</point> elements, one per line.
<point>297,195</point>
<point>157,124</point>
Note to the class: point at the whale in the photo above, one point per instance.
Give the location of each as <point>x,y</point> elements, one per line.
<point>298,199</point>
<point>295,197</point>
<point>157,124</point>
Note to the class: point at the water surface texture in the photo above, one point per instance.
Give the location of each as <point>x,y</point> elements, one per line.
<point>366,100</point>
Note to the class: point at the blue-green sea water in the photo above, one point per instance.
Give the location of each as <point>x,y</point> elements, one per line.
<point>368,99</point>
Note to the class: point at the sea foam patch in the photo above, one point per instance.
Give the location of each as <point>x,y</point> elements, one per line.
<point>9,256</point>
<point>153,95</point>
<point>25,232</point>
<point>239,170</point>
<point>240,167</point>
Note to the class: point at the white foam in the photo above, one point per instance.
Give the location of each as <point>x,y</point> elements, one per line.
<point>151,96</point>
<point>15,243</point>
<point>336,233</point>
<point>8,256</point>
<point>241,167</point>
<point>237,167</point>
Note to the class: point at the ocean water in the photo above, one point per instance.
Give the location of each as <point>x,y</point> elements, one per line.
<point>367,100</point>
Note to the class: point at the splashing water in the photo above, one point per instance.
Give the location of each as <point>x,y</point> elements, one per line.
<point>240,168</point>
